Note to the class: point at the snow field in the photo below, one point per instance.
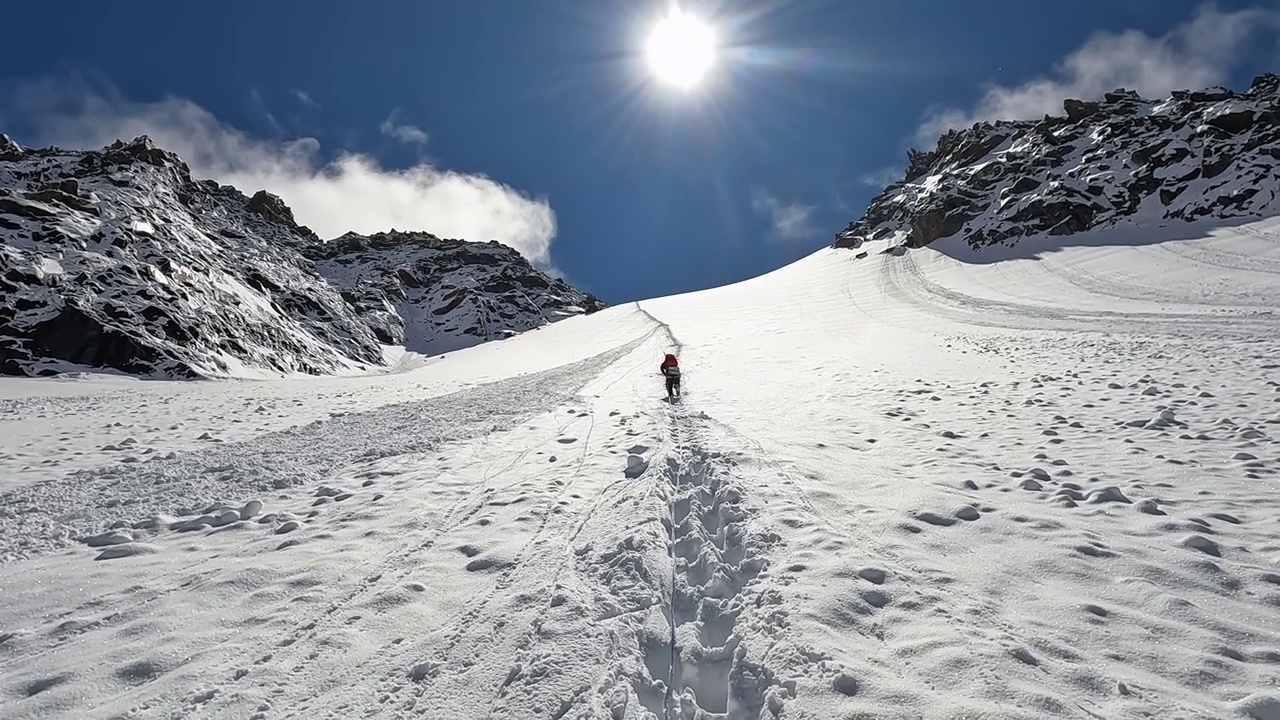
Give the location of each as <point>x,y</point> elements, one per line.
<point>325,605</point>
<point>899,485</point>
<point>52,427</point>
<point>1000,468</point>
<point>485,543</point>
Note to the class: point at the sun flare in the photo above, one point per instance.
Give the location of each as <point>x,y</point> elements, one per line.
<point>681,49</point>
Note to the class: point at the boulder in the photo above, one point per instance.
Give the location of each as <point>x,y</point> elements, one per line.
<point>1233,122</point>
<point>1079,109</point>
<point>271,207</point>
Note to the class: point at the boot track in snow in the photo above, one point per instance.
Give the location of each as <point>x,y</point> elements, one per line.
<point>703,670</point>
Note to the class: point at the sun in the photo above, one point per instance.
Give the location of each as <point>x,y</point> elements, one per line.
<point>681,49</point>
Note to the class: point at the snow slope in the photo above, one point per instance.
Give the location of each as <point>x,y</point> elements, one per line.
<point>903,484</point>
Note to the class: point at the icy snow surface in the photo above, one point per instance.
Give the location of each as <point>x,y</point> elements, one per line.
<point>900,485</point>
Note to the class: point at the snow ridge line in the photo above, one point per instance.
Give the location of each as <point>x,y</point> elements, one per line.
<point>665,327</point>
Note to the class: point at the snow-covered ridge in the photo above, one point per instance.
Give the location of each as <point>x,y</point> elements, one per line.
<point>1207,154</point>
<point>118,259</point>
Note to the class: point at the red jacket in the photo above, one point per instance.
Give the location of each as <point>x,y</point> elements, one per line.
<point>668,362</point>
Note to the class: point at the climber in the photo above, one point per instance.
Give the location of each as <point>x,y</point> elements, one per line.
<point>670,369</point>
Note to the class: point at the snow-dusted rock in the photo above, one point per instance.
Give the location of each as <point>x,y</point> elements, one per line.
<point>124,550</point>
<point>1214,153</point>
<point>435,296</point>
<point>117,258</point>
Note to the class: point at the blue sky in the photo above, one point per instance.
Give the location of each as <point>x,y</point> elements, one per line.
<point>536,122</point>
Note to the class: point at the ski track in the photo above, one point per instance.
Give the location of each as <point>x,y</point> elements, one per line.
<point>316,633</point>
<point>195,483</point>
<point>315,645</point>
<point>902,279</point>
<point>988,502</point>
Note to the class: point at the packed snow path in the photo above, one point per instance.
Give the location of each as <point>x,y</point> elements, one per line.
<point>899,485</point>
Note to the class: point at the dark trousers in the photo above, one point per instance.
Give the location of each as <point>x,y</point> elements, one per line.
<point>673,385</point>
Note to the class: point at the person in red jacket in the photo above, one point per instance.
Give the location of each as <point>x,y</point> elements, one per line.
<point>670,368</point>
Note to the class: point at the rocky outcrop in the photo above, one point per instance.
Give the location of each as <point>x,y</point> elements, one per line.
<point>1208,153</point>
<point>118,259</point>
<point>434,295</point>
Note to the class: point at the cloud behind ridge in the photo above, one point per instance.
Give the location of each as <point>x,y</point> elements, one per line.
<point>351,191</point>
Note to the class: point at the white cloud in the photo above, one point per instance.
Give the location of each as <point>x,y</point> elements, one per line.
<point>1196,54</point>
<point>350,192</point>
<point>788,221</point>
<point>404,132</point>
<point>303,97</point>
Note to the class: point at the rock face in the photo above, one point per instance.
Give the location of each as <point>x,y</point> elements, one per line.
<point>434,296</point>
<point>1212,153</point>
<point>118,259</point>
